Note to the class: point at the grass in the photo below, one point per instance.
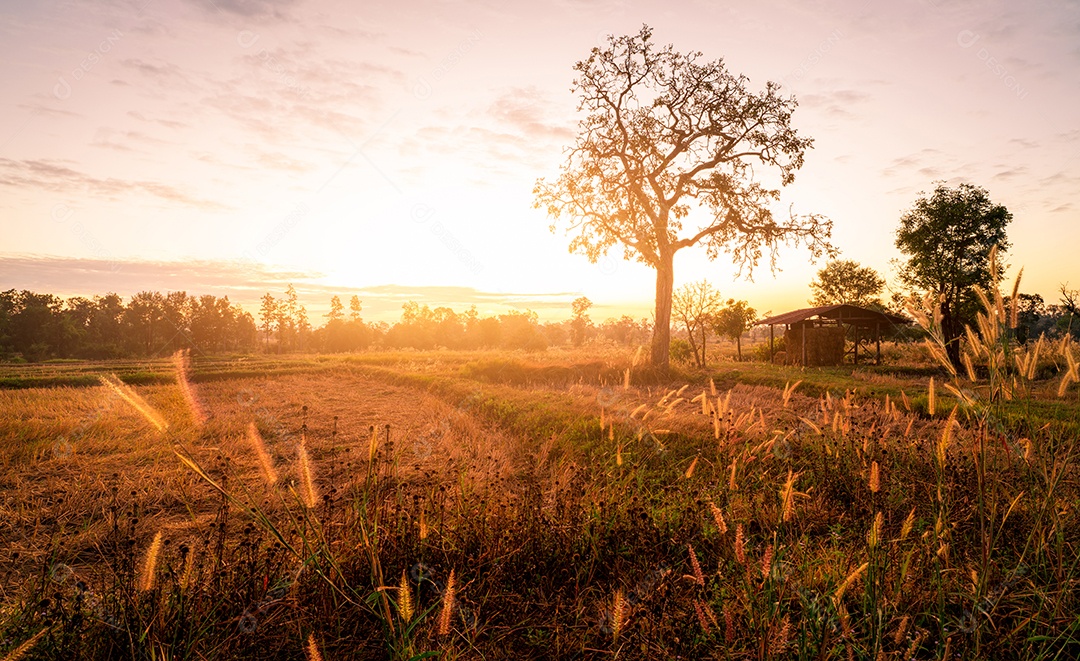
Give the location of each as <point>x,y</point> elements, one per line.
<point>467,505</point>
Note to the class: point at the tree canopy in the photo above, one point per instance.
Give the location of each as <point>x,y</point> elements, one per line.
<point>668,156</point>
<point>845,281</point>
<point>947,237</point>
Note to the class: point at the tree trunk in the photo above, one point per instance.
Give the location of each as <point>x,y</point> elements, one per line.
<point>661,339</point>
<point>951,331</point>
<point>738,346</point>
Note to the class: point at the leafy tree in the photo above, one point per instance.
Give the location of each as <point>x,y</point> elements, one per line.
<point>354,308</point>
<point>845,281</point>
<point>268,315</point>
<point>694,305</point>
<point>337,310</point>
<point>947,238</point>
<point>734,319</point>
<point>666,134</point>
<point>580,322</point>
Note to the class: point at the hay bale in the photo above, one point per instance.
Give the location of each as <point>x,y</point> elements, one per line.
<point>824,345</point>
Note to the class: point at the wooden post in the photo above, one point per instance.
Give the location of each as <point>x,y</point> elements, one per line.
<point>772,359</point>
<point>856,344</point>
<point>802,329</point>
<point>877,339</point>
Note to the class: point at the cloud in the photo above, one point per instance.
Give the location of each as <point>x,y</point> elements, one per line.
<point>245,282</point>
<point>256,9</point>
<point>57,178</point>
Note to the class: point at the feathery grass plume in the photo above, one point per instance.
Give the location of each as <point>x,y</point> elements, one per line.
<point>712,387</point>
<point>851,578</point>
<point>603,424</point>
<point>1014,301</point>
<point>931,398</point>
<point>703,622</point>
<point>447,610</point>
<point>188,575</point>
<point>787,496</point>
<point>908,524</point>
<point>874,536</point>
<point>946,437</point>
<point>680,391</point>
<point>307,482</point>
<point>20,651</point>
<point>740,545</point>
<point>618,614</point>
<point>265,462</point>
<point>779,638</point>
<point>690,471</point>
<point>138,403</point>
<point>312,649</point>
<point>182,362</point>
<point>969,367</point>
<point>875,477</point>
<point>423,526</point>
<point>373,447</point>
<point>718,517</point>
<point>789,390</point>
<point>901,629</point>
<point>766,562</point>
<point>731,480</point>
<point>916,644</point>
<point>626,379</point>
<point>633,414</point>
<point>695,566</point>
<point>148,576</point>
<point>405,598</point>
<point>618,455</point>
<point>729,626</point>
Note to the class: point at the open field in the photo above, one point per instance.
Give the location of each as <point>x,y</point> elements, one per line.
<point>530,506</point>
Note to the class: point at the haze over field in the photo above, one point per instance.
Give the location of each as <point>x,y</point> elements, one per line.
<point>390,150</point>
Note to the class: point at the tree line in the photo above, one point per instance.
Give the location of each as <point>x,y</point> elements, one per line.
<point>36,327</point>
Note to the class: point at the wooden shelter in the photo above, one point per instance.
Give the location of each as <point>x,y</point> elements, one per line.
<point>813,334</point>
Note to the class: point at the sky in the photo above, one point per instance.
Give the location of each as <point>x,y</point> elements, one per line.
<point>390,149</point>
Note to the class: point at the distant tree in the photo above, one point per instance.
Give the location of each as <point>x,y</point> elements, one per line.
<point>734,319</point>
<point>665,133</point>
<point>145,313</point>
<point>846,282</point>
<point>580,322</point>
<point>694,305</point>
<point>947,238</point>
<point>1069,321</point>
<point>354,308</point>
<point>268,316</point>
<point>1030,309</point>
<point>337,310</point>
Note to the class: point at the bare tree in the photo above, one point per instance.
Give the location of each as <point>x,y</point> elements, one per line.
<point>665,135</point>
<point>694,305</point>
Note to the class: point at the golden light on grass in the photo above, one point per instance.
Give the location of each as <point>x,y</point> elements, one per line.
<point>718,517</point>
<point>740,545</point>
<point>255,439</point>
<point>20,651</point>
<point>182,362</point>
<point>307,482</point>
<point>312,649</point>
<point>690,471</point>
<point>127,394</point>
<point>787,496</point>
<point>618,614</point>
<point>909,522</point>
<point>873,537</point>
<point>931,398</point>
<point>875,477</point>
<point>405,599</point>
<point>851,578</point>
<point>148,575</point>
<point>447,610</point>
<point>946,438</point>
<point>373,447</point>
<point>695,567</point>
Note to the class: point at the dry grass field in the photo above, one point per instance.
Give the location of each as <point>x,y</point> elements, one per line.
<point>413,505</point>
